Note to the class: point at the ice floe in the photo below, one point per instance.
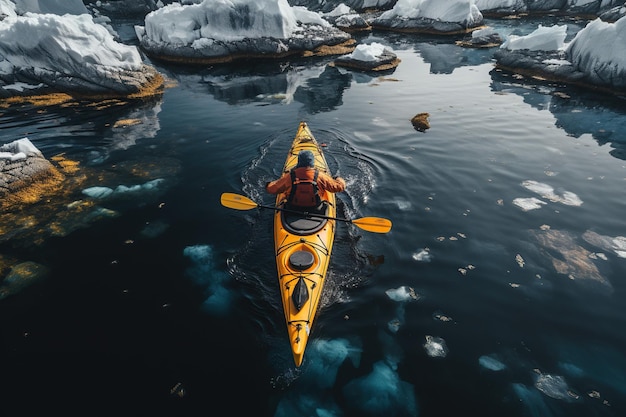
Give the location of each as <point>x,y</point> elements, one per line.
<point>423,255</point>
<point>542,38</point>
<point>615,244</point>
<point>402,294</point>
<point>435,347</point>
<point>101,192</point>
<point>554,386</point>
<point>547,191</point>
<point>430,16</point>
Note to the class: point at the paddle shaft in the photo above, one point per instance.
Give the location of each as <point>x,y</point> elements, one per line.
<point>371,224</point>
<point>305,213</point>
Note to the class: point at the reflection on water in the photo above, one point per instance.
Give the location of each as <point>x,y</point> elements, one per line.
<point>577,112</point>
<point>319,86</point>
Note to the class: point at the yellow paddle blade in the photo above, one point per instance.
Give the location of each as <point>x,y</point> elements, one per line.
<point>373,224</point>
<point>237,201</point>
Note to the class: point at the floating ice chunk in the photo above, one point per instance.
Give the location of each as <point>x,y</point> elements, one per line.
<point>528,204</point>
<point>546,191</point>
<point>121,189</point>
<point>554,386</point>
<point>423,255</point>
<point>402,294</point>
<point>570,199</point>
<point>105,192</point>
<point>98,192</point>
<point>439,316</point>
<point>370,52</point>
<point>542,39</point>
<point>435,347</point>
<point>491,363</point>
<point>615,244</point>
<point>148,186</point>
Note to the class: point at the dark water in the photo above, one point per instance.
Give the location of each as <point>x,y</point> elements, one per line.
<point>170,306</point>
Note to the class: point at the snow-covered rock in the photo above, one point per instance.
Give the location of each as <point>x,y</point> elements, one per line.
<point>486,37</point>
<point>21,163</point>
<point>217,31</point>
<point>347,19</point>
<point>595,58</point>
<point>372,57</point>
<point>70,53</point>
<point>539,7</point>
<point>431,16</point>
<point>358,5</point>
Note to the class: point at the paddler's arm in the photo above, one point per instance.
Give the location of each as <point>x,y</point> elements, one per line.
<point>280,185</point>
<point>333,185</point>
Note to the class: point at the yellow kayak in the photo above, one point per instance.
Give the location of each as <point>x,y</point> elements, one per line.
<point>303,244</point>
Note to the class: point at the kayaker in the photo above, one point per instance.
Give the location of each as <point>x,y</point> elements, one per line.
<point>308,183</point>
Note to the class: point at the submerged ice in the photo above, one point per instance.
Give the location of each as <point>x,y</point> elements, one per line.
<point>491,362</point>
<point>205,275</point>
<point>381,392</point>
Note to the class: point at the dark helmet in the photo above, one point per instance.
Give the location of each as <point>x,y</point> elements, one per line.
<point>306,159</point>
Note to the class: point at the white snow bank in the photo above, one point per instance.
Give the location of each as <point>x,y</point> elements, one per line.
<point>543,38</point>
<point>460,11</point>
<point>227,20</point>
<point>599,50</point>
<point>370,52</point>
<point>59,7</point>
<point>62,43</point>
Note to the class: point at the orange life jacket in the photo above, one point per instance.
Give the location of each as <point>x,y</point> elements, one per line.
<point>304,192</point>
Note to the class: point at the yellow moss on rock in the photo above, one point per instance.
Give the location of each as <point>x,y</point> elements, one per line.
<point>68,166</point>
<point>43,186</point>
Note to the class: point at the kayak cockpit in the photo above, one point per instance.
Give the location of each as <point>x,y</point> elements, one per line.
<point>305,223</point>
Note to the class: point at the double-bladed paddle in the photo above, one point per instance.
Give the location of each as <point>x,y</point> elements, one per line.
<point>371,224</point>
